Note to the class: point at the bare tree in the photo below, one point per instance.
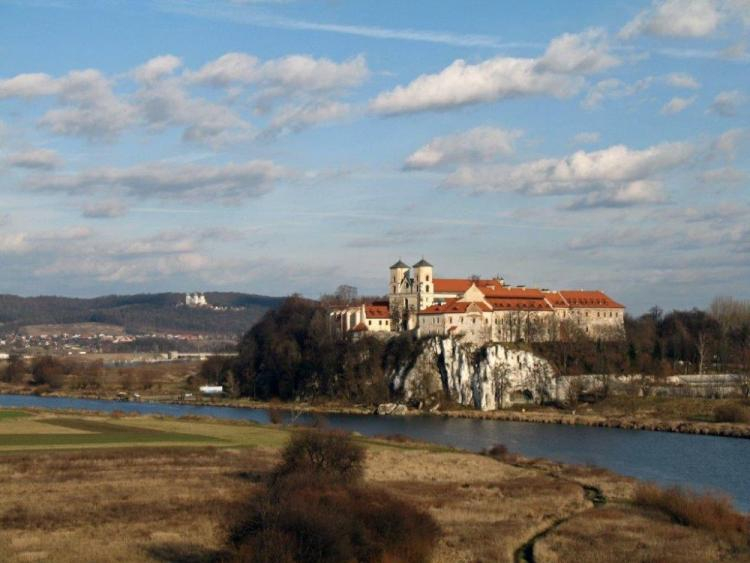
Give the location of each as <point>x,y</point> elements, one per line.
<point>501,378</point>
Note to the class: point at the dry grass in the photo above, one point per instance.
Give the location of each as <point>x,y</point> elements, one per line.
<point>168,503</point>
<point>709,512</point>
<point>628,535</point>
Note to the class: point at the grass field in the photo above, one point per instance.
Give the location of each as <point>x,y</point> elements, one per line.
<point>161,489</point>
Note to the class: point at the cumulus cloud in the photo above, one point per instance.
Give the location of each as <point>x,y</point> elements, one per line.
<point>727,143</point>
<point>28,85</point>
<point>34,159</point>
<point>90,108</point>
<point>293,72</point>
<point>166,104</point>
<point>579,53</point>
<point>619,174</point>
<point>480,143</point>
<point>676,105</point>
<point>157,68</point>
<point>462,84</point>
<point>676,18</point>
<point>558,72</point>
<point>727,103</point>
<point>682,80</point>
<point>227,182</point>
<point>639,192</point>
<point>228,69</point>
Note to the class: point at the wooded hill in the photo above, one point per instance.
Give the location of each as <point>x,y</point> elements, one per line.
<point>139,314</point>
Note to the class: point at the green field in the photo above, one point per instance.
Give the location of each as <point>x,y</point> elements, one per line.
<point>21,430</point>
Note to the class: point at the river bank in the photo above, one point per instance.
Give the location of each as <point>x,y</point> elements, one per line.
<point>646,420</point>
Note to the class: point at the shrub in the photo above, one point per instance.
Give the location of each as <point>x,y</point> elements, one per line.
<point>705,511</point>
<point>315,509</point>
<point>48,370</point>
<point>275,416</point>
<point>732,413</point>
<point>329,455</point>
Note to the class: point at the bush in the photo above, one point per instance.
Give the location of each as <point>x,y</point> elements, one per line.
<point>712,513</point>
<point>314,508</point>
<point>48,370</point>
<point>732,413</point>
<point>329,455</point>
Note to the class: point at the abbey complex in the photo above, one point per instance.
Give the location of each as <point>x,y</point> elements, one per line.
<point>479,310</point>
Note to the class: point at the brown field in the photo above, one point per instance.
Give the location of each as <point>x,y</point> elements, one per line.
<point>170,503</point>
<point>84,329</point>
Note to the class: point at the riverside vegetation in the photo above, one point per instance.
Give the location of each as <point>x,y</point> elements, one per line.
<point>290,355</point>
<point>127,499</point>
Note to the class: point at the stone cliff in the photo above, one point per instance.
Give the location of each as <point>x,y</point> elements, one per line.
<point>489,378</point>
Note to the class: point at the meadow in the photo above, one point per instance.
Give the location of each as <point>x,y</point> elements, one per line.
<point>120,488</point>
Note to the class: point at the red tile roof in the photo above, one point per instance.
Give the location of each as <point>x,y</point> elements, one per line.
<point>377,312</point>
<point>448,285</point>
<point>589,299</point>
<point>518,304</point>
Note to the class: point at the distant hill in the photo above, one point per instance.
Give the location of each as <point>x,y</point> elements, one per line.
<point>139,314</point>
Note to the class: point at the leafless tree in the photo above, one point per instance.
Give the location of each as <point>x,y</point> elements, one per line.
<point>501,379</point>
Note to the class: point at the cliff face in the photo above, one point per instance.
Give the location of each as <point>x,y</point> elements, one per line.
<point>489,379</point>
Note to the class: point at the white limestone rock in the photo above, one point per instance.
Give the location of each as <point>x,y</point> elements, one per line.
<point>487,379</point>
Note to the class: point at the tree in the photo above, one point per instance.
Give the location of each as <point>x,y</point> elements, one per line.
<point>15,369</point>
<point>501,379</point>
<point>47,370</point>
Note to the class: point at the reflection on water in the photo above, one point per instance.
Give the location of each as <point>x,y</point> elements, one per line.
<point>701,462</point>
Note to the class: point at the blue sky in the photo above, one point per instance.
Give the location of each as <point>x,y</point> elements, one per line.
<point>281,146</point>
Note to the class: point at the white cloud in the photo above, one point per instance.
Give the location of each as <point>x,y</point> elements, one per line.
<point>639,192</point>
<point>157,68</point>
<point>578,53</point>
<point>615,170</point>
<point>299,117</point>
<point>676,18</point>
<point>558,72</point>
<point>35,159</point>
<point>676,105</point>
<point>614,88</point>
<point>288,74</point>
<point>728,142</point>
<point>727,103</point>
<point>461,84</point>
<point>28,86</point>
<point>682,80</point>
<point>586,137</point>
<point>227,182</point>
<point>166,104</point>
<point>227,69</point>
<point>480,143</point>
<point>90,108</point>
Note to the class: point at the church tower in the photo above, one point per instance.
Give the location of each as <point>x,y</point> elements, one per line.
<point>424,284</point>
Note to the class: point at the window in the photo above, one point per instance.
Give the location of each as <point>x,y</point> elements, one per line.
<point>369,323</point>
<point>428,278</point>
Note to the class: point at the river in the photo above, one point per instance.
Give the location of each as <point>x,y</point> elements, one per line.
<point>694,461</point>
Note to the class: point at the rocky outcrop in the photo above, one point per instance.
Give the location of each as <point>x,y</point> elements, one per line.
<point>489,378</point>
<point>391,409</point>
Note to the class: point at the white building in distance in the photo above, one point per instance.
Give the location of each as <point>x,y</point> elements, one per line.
<point>195,300</point>
<point>480,310</point>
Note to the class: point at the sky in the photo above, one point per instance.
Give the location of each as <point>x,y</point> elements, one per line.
<point>275,147</point>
